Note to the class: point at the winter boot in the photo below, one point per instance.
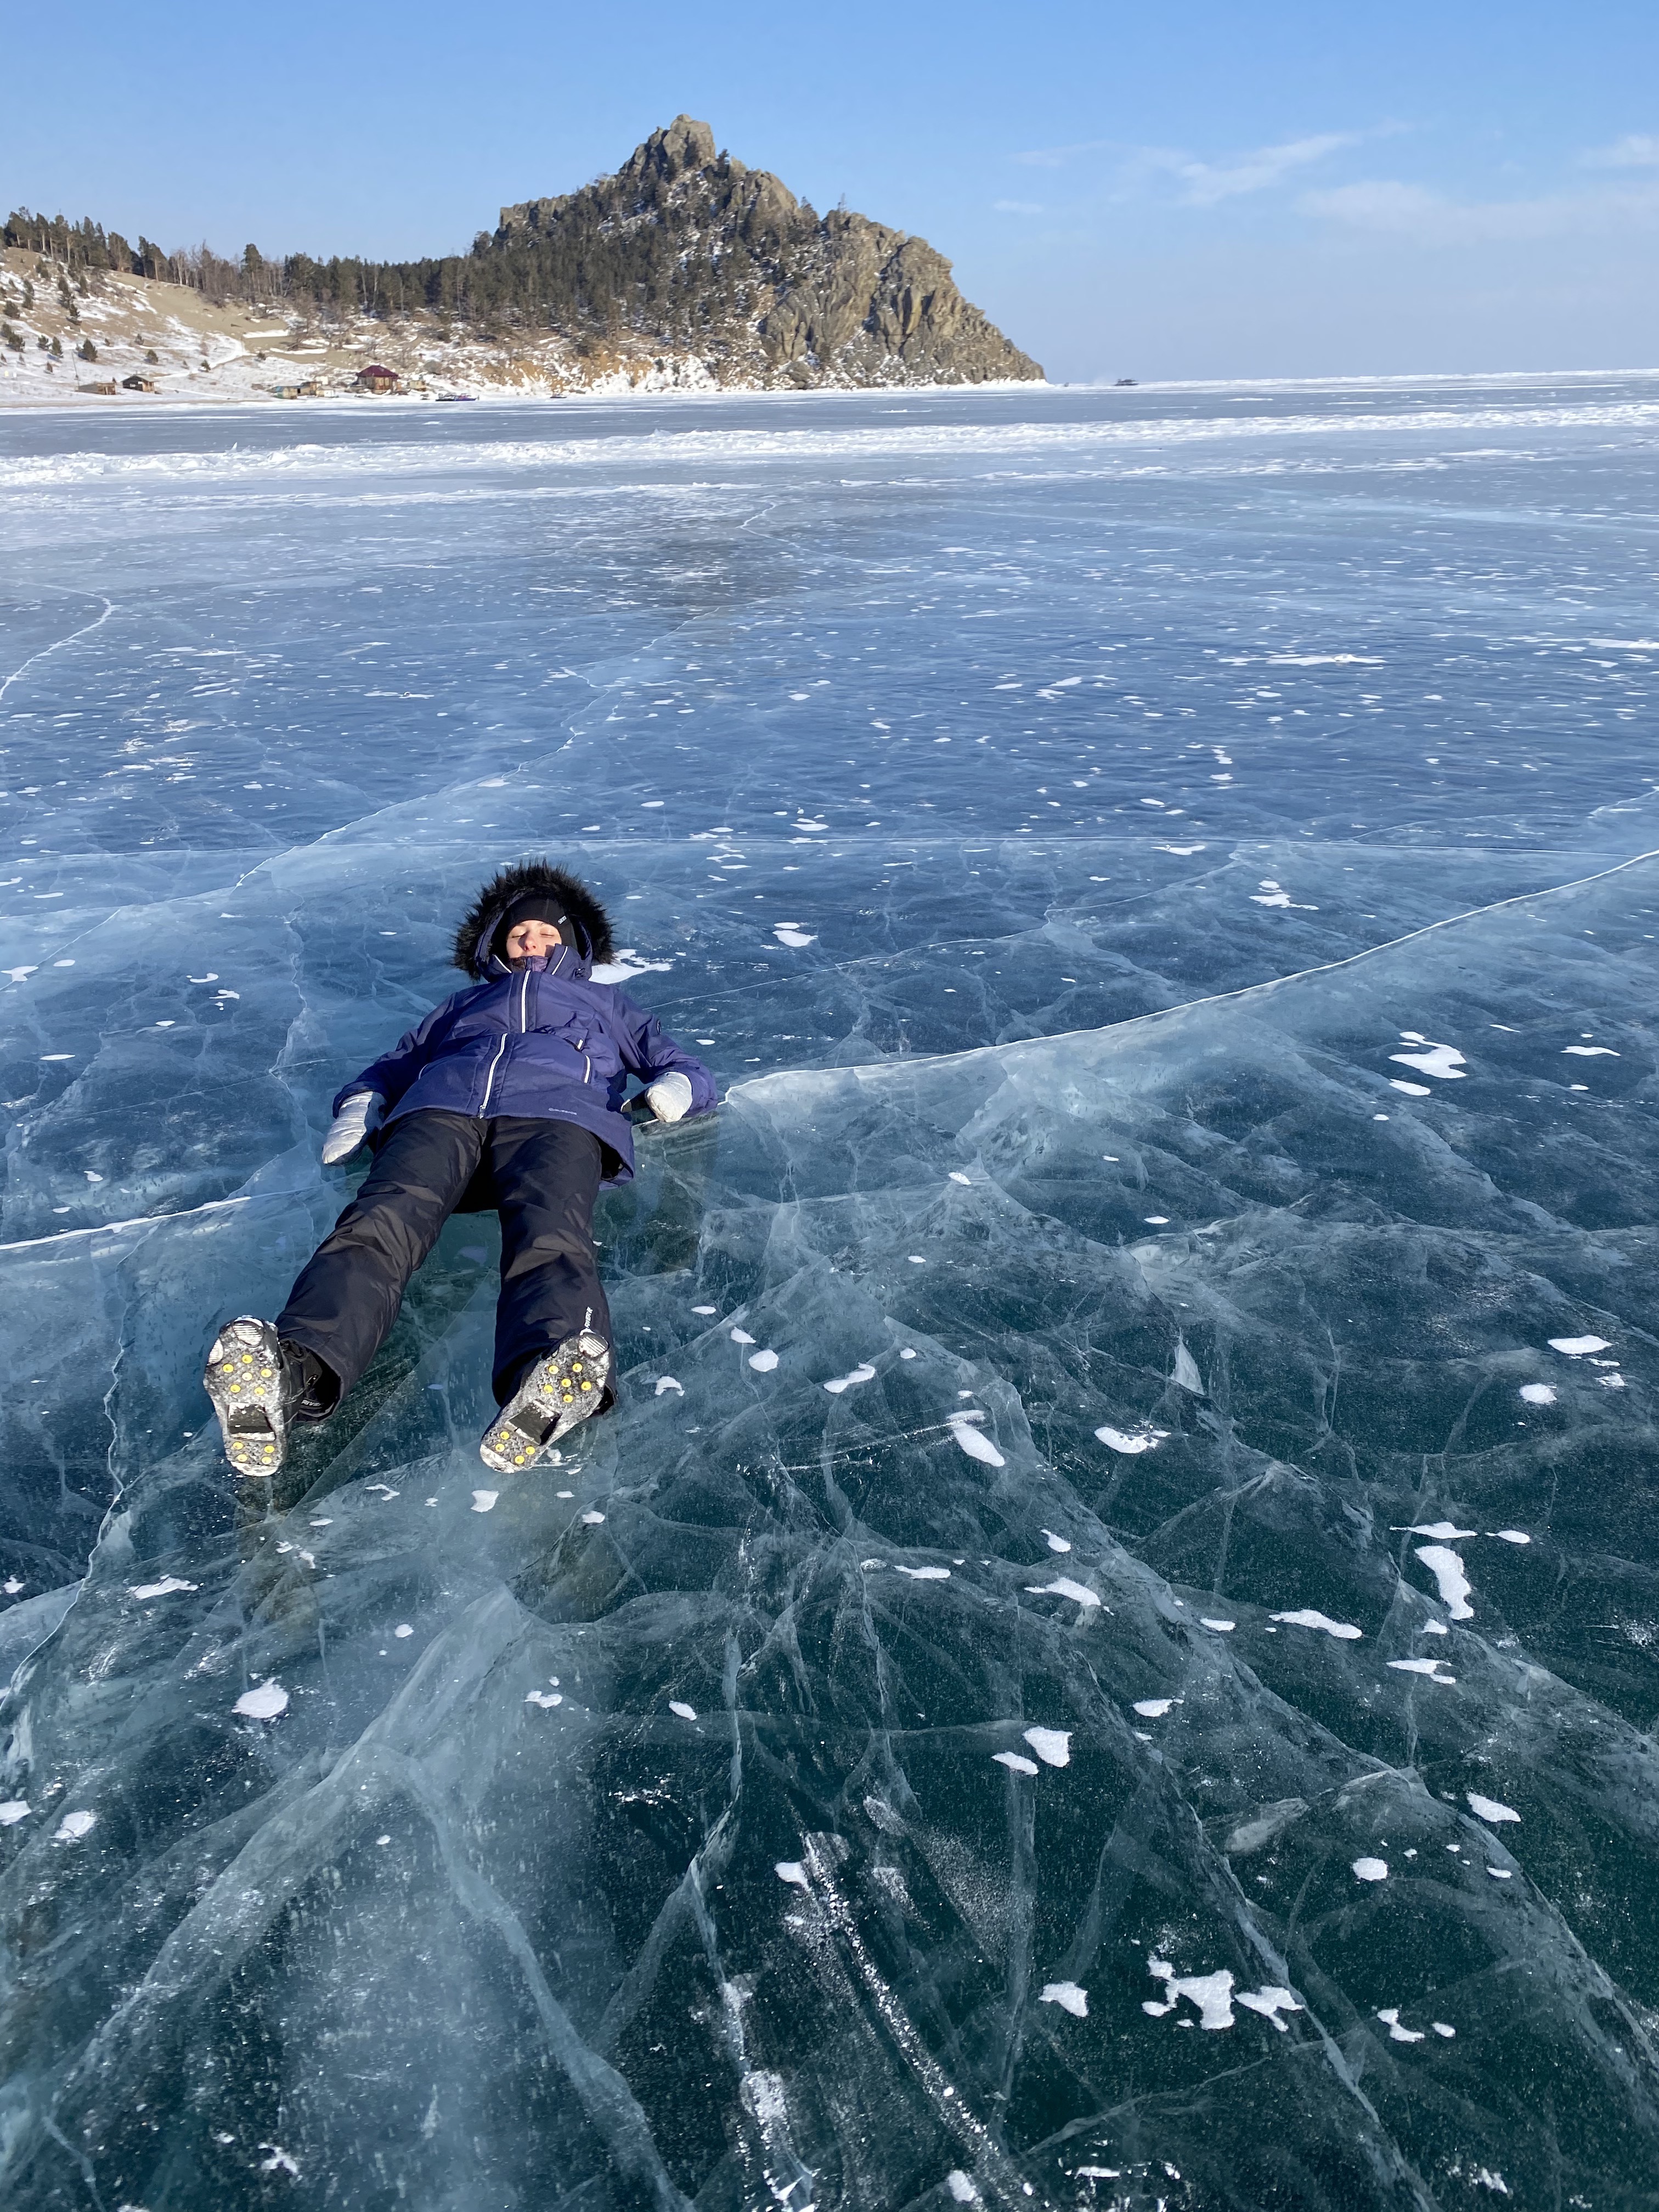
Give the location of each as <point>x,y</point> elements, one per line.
<point>260,1387</point>
<point>561,1388</point>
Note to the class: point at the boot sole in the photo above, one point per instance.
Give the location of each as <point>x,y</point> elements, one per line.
<point>559,1391</point>
<point>244,1379</point>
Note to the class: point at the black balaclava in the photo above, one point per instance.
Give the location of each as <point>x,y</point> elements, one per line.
<point>530,906</point>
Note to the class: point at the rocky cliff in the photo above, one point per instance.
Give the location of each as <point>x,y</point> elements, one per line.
<point>710,256</point>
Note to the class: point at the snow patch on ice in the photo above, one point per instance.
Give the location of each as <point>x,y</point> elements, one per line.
<point>1068,1995</point>
<point>1063,1586</point>
<point>976,1445</point>
<point>862,1374</point>
<point>1306,1616</point>
<point>1130,1440</point>
<point>1052,1745</point>
<point>264,1703</point>
<point>1488,1809</point>
<point>1447,1568</point>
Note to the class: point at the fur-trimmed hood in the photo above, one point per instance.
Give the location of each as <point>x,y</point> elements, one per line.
<point>592,926</point>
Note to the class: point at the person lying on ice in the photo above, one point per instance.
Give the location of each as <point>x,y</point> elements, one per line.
<point>509,1095</point>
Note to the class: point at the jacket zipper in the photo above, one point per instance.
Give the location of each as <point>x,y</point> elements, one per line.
<point>490,1083</point>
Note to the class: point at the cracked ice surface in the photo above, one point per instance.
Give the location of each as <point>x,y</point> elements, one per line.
<point>496,1910</point>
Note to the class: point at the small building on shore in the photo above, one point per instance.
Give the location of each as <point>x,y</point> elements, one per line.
<point>138,384</point>
<point>377,379</point>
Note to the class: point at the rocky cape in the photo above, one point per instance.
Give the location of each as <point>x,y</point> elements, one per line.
<point>766,291</point>
<point>685,270</point>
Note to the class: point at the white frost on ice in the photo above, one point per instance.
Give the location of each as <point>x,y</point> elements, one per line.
<point>791,1871</point>
<point>1578,1347</point>
<point>1130,1440</point>
<point>1390,2018</point>
<point>1510,1536</point>
<point>678,1705</point>
<point>1014,1763</point>
<point>484,1501</point>
<point>763,1362</point>
<point>926,1574</point>
<point>1221,1627</point>
<point>962,2191</point>
<point>1429,1666</point>
<point>668,1383</point>
<point>1370,1870</point>
<point>73,1826</point>
<point>1153,1708</point>
<point>1590,1051</point>
<point>1538,1393</point>
<point>1057,1543</point>
<point>16,1808</point>
<point>144,1591</point>
<point>1186,1376</point>
<point>1411,1090</point>
<point>545,1698</point>
<point>1445,1530</point>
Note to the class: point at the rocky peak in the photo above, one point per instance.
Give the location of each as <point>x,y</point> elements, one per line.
<point>685,144</point>
<point>687,246</point>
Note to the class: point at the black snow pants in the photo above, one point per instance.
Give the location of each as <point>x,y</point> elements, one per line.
<point>541,1176</point>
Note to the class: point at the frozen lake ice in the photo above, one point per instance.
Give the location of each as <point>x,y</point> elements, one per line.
<point>756,1809</point>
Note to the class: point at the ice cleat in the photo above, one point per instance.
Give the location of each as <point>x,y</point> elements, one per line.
<point>561,1389</point>
<point>247,1380</point>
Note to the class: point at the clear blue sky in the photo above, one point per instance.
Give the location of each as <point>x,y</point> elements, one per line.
<point>1180,188</point>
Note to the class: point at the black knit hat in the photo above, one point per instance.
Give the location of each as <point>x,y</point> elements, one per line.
<point>534,906</point>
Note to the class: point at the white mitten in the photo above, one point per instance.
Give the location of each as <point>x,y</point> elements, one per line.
<point>364,1111</point>
<point>670,1096</point>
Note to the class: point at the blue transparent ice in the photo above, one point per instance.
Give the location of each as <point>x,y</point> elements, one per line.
<point>647,1832</point>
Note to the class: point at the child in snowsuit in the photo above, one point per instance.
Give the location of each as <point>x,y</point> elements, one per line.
<point>507,1096</point>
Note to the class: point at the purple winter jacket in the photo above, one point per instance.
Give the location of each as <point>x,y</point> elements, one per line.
<point>544,1041</point>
